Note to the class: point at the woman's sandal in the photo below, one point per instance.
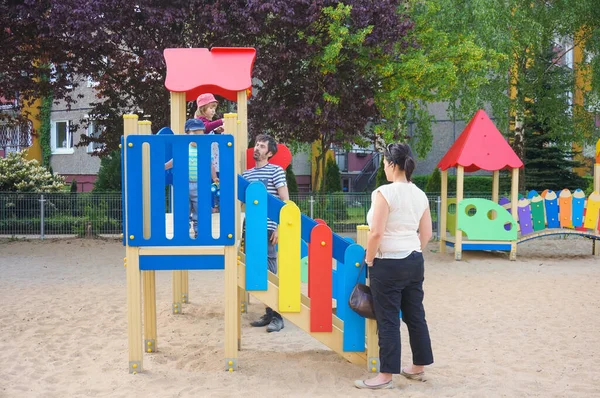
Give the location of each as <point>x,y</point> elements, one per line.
<point>361,384</point>
<point>414,376</point>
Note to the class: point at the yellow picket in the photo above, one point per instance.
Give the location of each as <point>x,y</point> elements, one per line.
<point>289,258</point>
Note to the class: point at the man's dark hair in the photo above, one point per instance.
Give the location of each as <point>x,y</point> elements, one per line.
<point>271,143</point>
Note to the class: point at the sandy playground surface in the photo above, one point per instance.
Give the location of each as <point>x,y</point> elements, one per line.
<point>499,329</point>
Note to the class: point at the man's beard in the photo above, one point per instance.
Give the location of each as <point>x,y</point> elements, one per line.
<point>256,156</point>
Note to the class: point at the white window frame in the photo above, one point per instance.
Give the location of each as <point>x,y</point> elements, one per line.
<point>56,150</point>
<point>90,133</point>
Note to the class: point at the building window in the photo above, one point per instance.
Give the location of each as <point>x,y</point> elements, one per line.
<point>94,130</point>
<point>61,136</point>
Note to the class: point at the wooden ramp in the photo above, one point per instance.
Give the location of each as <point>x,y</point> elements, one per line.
<point>270,297</point>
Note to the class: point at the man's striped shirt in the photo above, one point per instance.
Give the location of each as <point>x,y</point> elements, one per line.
<point>273,177</point>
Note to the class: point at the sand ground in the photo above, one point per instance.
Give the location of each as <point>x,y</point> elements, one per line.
<point>498,328</point>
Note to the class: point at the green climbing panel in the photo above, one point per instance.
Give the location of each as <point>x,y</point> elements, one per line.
<point>482,219</point>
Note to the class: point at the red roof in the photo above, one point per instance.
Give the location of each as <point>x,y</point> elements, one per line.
<point>221,71</point>
<point>480,147</point>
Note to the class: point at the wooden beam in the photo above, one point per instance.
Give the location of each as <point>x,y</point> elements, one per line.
<point>514,199</point>
<point>132,262</point>
<point>444,211</point>
<point>460,179</point>
<point>495,186</point>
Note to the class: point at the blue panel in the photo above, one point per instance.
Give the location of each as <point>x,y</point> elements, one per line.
<point>256,237</point>
<point>134,190</point>
<point>487,246</point>
<point>165,131</point>
<point>227,188</point>
<point>354,324</point>
<point>307,223</point>
<point>180,143</point>
<point>174,263</point>
<point>349,239</point>
<point>123,217</point>
<point>532,194</point>
<point>451,244</point>
<point>334,286</point>
<point>157,192</point>
<point>303,249</point>
<point>181,193</point>
<point>204,194</point>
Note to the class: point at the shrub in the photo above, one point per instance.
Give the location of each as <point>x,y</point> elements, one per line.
<point>109,175</point>
<point>17,174</point>
<point>333,178</point>
<point>291,180</point>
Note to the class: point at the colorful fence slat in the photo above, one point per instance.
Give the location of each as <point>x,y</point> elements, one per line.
<point>537,213</point>
<point>551,203</point>
<point>354,324</point>
<point>578,204</point>
<point>256,237</point>
<point>565,208</point>
<point>289,258</point>
<point>524,212</point>
<point>593,209</point>
<point>320,253</point>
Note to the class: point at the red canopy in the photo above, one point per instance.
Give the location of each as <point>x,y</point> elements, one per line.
<point>221,71</point>
<point>480,147</point>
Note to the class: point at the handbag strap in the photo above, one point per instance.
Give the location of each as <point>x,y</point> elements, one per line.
<point>360,272</point>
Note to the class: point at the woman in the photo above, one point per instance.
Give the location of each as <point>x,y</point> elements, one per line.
<point>400,227</point>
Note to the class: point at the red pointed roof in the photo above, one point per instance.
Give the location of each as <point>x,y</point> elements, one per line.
<point>221,71</point>
<point>480,147</point>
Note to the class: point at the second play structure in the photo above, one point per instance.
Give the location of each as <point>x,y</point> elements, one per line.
<point>157,230</point>
<point>502,223</point>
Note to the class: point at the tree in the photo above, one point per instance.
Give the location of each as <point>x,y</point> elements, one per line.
<point>291,180</point>
<point>380,178</point>
<point>17,174</point>
<point>519,31</point>
<point>548,158</point>
<point>109,175</point>
<point>434,183</point>
<point>333,178</point>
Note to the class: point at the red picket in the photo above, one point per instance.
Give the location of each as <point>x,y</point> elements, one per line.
<point>320,255</point>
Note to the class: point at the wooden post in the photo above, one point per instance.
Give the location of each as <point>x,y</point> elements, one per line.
<point>178,113</point>
<point>362,233</point>
<point>444,211</point>
<point>148,277</point>
<point>460,179</point>
<point>495,186</point>
<point>232,297</point>
<point>132,262</point>
<point>514,199</point>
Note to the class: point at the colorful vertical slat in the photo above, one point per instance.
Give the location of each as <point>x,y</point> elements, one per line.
<point>578,204</point>
<point>319,222</point>
<point>565,208</point>
<point>320,253</point>
<point>256,237</point>
<point>289,258</point>
<point>524,212</point>
<point>551,203</point>
<point>354,324</point>
<point>537,213</point>
<point>593,209</point>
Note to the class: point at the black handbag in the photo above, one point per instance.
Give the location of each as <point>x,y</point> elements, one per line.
<point>361,299</point>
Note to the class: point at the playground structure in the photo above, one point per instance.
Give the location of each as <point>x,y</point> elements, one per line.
<point>157,240</point>
<point>501,224</point>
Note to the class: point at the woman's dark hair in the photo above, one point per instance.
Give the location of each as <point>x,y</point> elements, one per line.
<point>401,156</point>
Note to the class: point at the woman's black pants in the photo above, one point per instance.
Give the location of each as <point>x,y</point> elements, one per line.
<point>397,284</point>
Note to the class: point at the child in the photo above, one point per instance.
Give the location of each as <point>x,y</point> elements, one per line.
<point>207,106</point>
<point>194,126</point>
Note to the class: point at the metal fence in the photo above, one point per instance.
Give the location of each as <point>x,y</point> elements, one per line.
<point>35,215</point>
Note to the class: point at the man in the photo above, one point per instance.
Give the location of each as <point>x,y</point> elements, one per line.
<point>273,177</point>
